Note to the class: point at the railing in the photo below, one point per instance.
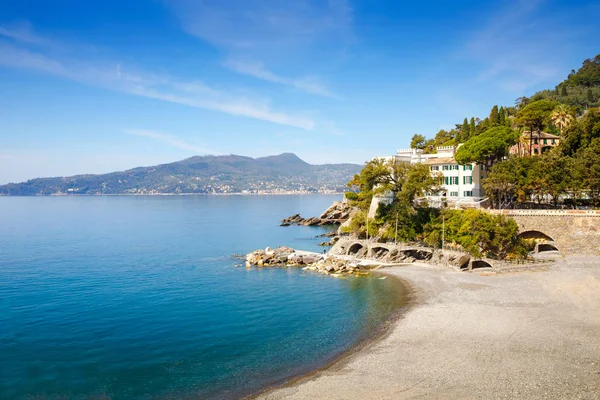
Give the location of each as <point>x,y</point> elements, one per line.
<point>526,261</point>
<point>572,213</point>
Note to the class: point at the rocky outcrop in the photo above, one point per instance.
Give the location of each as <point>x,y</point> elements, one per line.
<point>288,257</point>
<point>337,213</point>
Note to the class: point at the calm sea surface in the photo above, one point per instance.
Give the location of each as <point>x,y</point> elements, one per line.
<point>139,298</point>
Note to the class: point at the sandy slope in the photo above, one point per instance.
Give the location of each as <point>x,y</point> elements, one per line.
<point>520,336</point>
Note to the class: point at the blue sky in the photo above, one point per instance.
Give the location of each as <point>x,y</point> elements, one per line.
<point>91,87</point>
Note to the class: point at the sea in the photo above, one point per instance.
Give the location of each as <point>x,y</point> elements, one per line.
<point>133,297</point>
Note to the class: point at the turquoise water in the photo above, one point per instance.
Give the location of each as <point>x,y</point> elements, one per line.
<point>139,298</point>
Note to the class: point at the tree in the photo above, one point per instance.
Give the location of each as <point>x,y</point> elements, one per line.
<point>444,138</point>
<point>502,116</point>
<point>494,117</point>
<point>588,75</point>
<point>464,132</point>
<point>590,96</point>
<point>521,102</point>
<point>472,127</point>
<point>535,116</point>
<point>550,176</point>
<point>561,117</point>
<point>563,91</point>
<point>586,170</point>
<point>580,133</point>
<point>417,141</point>
<point>487,148</point>
<point>407,181</point>
<point>478,232</point>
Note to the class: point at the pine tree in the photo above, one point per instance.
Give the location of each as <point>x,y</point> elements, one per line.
<point>472,128</point>
<point>465,134</point>
<point>502,116</point>
<point>563,91</point>
<point>494,117</point>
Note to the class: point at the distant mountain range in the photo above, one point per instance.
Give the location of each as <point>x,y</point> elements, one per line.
<point>200,175</point>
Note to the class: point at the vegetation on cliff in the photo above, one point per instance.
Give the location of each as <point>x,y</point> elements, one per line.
<point>477,232</point>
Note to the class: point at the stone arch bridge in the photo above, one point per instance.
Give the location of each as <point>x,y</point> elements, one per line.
<point>568,231</point>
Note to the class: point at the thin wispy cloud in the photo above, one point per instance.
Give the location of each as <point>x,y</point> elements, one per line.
<point>267,27</point>
<point>262,23</point>
<point>115,76</point>
<point>21,31</point>
<point>169,140</point>
<point>258,70</point>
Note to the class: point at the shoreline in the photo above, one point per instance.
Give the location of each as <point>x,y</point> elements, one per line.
<point>362,344</point>
<point>467,335</point>
<point>181,194</point>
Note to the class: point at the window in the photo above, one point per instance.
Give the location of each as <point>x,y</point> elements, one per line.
<point>455,167</point>
<point>467,167</point>
<point>535,151</point>
<point>553,141</point>
<point>453,194</point>
<point>468,193</point>
<point>446,167</point>
<point>435,168</point>
<point>535,141</point>
<point>467,180</point>
<point>545,141</point>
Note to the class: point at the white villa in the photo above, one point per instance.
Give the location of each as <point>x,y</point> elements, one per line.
<point>461,183</point>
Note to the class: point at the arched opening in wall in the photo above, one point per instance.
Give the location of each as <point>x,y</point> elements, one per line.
<point>546,148</point>
<point>480,264</point>
<point>546,247</point>
<point>379,252</point>
<point>536,235</point>
<point>354,249</point>
<point>464,265</point>
<point>420,255</point>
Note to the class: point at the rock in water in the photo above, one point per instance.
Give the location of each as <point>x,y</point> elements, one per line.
<point>337,213</point>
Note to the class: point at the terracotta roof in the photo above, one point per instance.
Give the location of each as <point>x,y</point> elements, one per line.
<point>542,135</point>
<point>439,161</point>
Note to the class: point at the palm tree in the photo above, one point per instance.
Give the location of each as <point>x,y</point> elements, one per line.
<point>524,143</point>
<point>561,117</point>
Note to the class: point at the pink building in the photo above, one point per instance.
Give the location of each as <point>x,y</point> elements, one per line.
<point>539,144</point>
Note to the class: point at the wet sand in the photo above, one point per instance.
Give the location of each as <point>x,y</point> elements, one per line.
<point>531,335</point>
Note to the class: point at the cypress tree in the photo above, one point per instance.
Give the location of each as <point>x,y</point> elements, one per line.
<point>556,91</point>
<point>465,134</point>
<point>563,91</point>
<point>494,116</point>
<point>502,116</point>
<point>472,127</point>
<point>590,96</point>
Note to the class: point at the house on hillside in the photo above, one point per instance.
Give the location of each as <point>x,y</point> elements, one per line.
<point>536,144</point>
<point>458,181</point>
<point>461,184</point>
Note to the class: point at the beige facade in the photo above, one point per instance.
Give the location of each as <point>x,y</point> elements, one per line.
<point>535,144</point>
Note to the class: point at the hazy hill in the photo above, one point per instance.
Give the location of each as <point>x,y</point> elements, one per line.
<point>206,174</point>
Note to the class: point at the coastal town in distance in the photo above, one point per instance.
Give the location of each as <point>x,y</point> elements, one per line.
<point>299,200</point>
